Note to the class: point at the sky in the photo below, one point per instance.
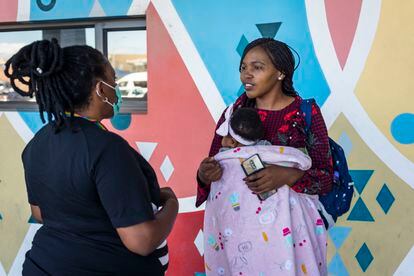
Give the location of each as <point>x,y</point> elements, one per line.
<point>119,42</point>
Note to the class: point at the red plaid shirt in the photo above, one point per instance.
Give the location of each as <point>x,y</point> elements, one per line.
<point>286,127</point>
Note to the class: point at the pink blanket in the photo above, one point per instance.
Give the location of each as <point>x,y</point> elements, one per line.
<point>282,235</point>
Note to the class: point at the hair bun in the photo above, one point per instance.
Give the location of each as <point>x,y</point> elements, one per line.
<point>33,62</point>
<point>46,57</point>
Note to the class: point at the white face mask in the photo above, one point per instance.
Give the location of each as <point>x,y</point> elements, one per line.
<point>117,105</point>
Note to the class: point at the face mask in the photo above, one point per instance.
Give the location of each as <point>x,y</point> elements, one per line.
<point>117,105</point>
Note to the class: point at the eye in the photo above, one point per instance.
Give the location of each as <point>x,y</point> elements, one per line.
<point>242,68</point>
<point>256,67</point>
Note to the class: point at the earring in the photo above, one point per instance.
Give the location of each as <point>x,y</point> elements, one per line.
<point>280,78</point>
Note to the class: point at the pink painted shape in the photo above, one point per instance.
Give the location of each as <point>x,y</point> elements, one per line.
<point>8,10</point>
<point>177,119</point>
<point>342,16</point>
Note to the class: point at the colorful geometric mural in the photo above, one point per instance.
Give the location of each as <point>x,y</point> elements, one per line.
<point>355,59</point>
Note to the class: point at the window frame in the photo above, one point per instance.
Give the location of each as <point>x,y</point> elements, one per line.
<point>101,26</point>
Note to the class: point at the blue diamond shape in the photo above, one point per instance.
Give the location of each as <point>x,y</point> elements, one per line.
<point>336,266</point>
<point>361,178</point>
<point>364,257</point>
<point>345,143</point>
<point>360,212</point>
<point>385,198</point>
<point>269,29</point>
<point>339,234</point>
<point>242,44</point>
<point>199,274</point>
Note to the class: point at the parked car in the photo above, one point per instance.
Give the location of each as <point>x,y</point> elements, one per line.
<point>133,85</point>
<point>5,87</point>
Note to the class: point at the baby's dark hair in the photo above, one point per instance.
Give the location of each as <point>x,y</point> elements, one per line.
<point>61,79</point>
<point>246,123</point>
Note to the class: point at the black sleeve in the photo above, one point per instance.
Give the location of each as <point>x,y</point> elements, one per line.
<point>122,186</point>
<point>31,197</point>
<point>29,180</point>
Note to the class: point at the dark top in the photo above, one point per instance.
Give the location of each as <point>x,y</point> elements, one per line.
<point>286,127</point>
<point>87,181</point>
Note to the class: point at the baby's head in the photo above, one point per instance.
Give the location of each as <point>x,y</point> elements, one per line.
<point>245,128</point>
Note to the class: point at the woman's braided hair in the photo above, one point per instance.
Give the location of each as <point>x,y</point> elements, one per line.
<point>61,79</point>
<point>281,57</point>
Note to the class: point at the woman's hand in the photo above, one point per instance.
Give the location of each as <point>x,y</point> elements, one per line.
<point>209,170</point>
<point>272,177</point>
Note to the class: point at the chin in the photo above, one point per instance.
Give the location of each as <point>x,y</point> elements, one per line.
<point>251,94</point>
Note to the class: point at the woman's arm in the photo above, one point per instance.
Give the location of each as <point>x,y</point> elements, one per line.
<point>273,177</point>
<point>318,179</point>
<point>209,170</point>
<point>36,213</point>
<point>145,237</point>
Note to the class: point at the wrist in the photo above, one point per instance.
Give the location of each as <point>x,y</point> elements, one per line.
<point>295,176</point>
<point>201,181</point>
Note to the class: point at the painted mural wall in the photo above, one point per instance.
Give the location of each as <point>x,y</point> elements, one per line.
<point>356,61</point>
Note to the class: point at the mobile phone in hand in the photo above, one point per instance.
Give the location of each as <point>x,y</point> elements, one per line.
<point>252,165</point>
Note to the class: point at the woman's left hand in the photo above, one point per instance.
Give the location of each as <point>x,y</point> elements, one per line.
<point>272,177</point>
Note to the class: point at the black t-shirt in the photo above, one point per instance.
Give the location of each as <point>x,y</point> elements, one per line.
<point>88,181</point>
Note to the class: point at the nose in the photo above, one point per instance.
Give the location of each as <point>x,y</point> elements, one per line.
<point>246,74</point>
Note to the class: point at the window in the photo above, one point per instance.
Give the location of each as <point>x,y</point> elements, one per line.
<point>11,42</point>
<point>127,52</point>
<point>123,41</point>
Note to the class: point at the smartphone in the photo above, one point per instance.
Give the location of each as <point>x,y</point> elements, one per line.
<point>252,165</point>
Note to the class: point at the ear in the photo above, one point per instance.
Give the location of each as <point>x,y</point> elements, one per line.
<point>98,89</point>
<point>281,76</point>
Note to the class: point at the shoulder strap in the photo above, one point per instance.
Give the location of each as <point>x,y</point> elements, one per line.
<point>306,107</point>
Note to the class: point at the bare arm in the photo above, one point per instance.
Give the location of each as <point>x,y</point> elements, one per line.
<point>36,213</point>
<point>145,237</point>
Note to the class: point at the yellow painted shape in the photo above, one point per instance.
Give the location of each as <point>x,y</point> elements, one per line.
<point>391,235</point>
<point>281,150</point>
<point>13,198</point>
<point>385,88</point>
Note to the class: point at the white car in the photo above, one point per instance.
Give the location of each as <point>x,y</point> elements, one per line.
<point>133,85</point>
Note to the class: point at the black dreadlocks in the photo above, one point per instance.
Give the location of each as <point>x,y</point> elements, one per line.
<point>60,78</point>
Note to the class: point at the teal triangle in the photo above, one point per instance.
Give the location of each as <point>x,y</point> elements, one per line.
<point>269,29</point>
<point>361,178</point>
<point>242,44</point>
<point>1,217</point>
<point>360,212</point>
<point>336,266</point>
<point>32,220</point>
<point>339,234</point>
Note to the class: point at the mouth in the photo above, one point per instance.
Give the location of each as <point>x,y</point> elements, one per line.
<point>248,86</point>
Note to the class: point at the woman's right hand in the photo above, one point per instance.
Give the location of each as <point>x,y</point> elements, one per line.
<point>209,170</point>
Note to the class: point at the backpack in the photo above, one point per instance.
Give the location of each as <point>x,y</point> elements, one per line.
<point>338,200</point>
